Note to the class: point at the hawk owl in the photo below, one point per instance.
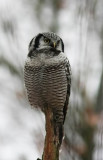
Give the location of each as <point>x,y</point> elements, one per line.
<point>47,76</point>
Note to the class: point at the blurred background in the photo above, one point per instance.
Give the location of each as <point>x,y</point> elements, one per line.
<point>80,24</point>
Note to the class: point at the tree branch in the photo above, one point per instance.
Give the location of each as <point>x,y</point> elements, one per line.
<point>51,147</point>
<point>52,143</point>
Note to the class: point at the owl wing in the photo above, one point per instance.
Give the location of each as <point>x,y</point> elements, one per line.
<point>68,76</point>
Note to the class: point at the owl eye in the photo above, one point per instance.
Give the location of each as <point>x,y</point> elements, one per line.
<point>58,42</point>
<point>46,40</point>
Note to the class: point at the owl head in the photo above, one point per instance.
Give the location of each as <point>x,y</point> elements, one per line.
<point>46,40</point>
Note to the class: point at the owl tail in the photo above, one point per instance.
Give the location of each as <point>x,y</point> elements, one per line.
<point>58,125</point>
<point>60,129</point>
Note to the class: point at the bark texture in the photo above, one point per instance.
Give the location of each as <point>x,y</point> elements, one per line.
<point>51,146</point>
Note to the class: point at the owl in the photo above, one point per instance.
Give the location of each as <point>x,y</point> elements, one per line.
<point>47,76</point>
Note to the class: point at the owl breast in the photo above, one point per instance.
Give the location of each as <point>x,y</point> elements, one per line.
<point>46,84</point>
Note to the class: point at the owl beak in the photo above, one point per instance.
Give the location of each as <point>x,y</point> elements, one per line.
<point>54,44</point>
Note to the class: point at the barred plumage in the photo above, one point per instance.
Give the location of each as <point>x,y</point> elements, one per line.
<point>47,77</point>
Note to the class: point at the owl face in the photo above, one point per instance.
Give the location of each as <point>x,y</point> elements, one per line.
<point>46,40</point>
